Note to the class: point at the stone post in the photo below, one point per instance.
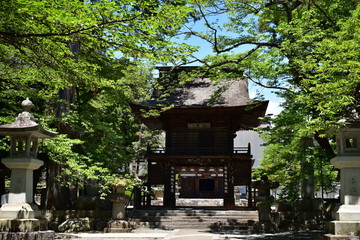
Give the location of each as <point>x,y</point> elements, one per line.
<point>307,168</point>
<point>264,199</point>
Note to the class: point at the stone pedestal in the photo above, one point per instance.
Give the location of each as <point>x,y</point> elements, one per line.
<point>20,199</point>
<point>20,213</point>
<point>348,215</point>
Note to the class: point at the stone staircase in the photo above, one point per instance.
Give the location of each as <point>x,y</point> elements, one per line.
<point>215,220</point>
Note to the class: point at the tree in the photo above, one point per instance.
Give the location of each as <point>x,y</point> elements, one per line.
<point>306,51</point>
<point>37,37</point>
<point>293,159</point>
<point>93,48</point>
<point>103,131</point>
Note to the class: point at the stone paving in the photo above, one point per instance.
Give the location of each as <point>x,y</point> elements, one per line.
<point>278,236</point>
<point>190,234</point>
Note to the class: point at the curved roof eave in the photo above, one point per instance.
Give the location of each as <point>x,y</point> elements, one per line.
<point>251,112</point>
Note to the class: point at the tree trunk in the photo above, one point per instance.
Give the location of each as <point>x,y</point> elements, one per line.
<point>324,143</point>
<point>57,196</point>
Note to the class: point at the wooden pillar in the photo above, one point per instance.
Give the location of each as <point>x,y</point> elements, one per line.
<point>147,196</point>
<point>2,185</point>
<point>250,196</point>
<point>249,187</point>
<point>137,197</point>
<point>229,200</point>
<point>169,188</point>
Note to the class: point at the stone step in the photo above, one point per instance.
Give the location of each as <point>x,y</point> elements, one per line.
<point>189,221</point>
<point>199,225</point>
<point>198,202</point>
<point>189,212</point>
<point>197,221</point>
<point>197,218</point>
<point>190,218</point>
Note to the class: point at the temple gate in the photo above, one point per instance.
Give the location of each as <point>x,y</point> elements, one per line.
<point>199,159</point>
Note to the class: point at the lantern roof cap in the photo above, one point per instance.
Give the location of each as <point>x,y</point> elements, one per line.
<point>25,124</point>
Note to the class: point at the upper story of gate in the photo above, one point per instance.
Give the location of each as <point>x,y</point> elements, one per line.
<point>200,117</point>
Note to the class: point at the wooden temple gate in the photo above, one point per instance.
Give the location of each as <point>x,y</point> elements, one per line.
<point>199,153</point>
<point>232,170</point>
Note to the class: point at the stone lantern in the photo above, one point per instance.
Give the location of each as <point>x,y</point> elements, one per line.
<point>24,135</point>
<point>118,223</point>
<point>348,161</point>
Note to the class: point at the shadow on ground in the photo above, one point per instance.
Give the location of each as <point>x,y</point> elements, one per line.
<point>308,235</point>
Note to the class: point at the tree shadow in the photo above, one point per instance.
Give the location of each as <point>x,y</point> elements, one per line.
<point>303,235</point>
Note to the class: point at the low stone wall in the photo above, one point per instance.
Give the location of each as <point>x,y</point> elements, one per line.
<point>302,215</point>
<point>39,235</point>
<point>76,220</point>
<point>51,221</point>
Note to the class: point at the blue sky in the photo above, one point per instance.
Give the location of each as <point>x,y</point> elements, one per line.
<point>205,49</point>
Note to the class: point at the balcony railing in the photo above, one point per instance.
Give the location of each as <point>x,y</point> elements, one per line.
<point>199,150</point>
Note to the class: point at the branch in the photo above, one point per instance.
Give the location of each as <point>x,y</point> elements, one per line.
<point>2,80</point>
<point>127,46</point>
<point>258,44</point>
<point>323,12</point>
<point>196,35</point>
<point>210,27</point>
<point>288,9</point>
<point>270,87</point>
<point>243,57</point>
<point>324,143</point>
<point>70,33</point>
<point>211,66</point>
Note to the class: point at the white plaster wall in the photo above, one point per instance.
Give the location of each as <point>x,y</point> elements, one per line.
<point>244,137</point>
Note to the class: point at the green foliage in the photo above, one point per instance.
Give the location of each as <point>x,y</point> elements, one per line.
<point>100,129</point>
<point>291,156</point>
<point>81,63</point>
<point>307,52</point>
<point>51,42</point>
<point>305,47</point>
